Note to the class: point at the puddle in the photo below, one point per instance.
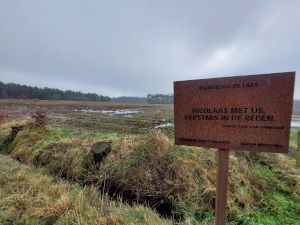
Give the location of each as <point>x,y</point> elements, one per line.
<point>295,124</point>
<point>129,116</point>
<point>111,112</point>
<point>120,112</point>
<point>163,125</point>
<point>295,121</point>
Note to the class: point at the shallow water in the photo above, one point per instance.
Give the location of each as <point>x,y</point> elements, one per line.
<point>112,112</point>
<point>295,121</point>
<point>163,125</point>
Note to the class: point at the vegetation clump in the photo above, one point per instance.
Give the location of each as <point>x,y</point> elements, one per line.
<point>40,118</point>
<point>29,196</point>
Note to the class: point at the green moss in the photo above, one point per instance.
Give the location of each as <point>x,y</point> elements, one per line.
<point>279,209</point>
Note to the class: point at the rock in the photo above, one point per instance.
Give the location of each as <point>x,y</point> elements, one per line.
<point>100,150</point>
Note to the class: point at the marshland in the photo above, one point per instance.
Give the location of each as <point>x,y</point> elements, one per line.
<point>50,176</point>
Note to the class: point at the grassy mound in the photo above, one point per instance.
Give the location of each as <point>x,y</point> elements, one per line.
<point>263,188</point>
<point>28,196</point>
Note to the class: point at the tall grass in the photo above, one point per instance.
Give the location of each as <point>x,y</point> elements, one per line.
<point>29,196</point>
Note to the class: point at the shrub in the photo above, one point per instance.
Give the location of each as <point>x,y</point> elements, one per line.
<point>40,118</point>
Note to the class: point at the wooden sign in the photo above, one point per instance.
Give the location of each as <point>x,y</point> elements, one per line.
<point>250,113</point>
<point>242,113</point>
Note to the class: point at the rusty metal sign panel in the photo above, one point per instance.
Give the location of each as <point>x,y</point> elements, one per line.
<point>250,113</point>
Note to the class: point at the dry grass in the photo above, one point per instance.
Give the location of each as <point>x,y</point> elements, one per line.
<point>152,169</point>
<point>186,177</point>
<point>28,196</point>
<point>40,118</point>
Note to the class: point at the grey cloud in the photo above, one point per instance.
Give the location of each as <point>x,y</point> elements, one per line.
<point>140,47</point>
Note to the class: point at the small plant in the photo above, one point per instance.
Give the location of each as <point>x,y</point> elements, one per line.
<point>40,118</point>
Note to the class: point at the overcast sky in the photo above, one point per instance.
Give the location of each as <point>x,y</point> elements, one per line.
<point>137,47</point>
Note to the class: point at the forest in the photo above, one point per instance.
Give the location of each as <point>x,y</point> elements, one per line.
<point>12,90</point>
<point>17,91</point>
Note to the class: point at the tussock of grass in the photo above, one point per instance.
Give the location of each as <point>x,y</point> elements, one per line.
<point>150,169</point>
<point>153,168</point>
<point>28,196</point>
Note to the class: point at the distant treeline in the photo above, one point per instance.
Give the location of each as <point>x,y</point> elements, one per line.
<point>11,90</point>
<point>160,99</point>
<point>126,99</point>
<point>150,99</point>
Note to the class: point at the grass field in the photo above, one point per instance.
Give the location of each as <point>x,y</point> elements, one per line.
<point>28,195</point>
<point>145,172</point>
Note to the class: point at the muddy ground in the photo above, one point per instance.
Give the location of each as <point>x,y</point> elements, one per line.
<point>95,116</point>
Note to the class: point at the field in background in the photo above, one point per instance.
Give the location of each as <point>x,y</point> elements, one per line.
<point>96,116</point>
<point>144,167</point>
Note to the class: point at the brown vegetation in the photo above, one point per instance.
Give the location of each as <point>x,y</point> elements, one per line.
<point>40,118</point>
<point>28,196</point>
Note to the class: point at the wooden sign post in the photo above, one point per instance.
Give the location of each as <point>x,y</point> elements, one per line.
<point>222,182</point>
<point>251,113</point>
